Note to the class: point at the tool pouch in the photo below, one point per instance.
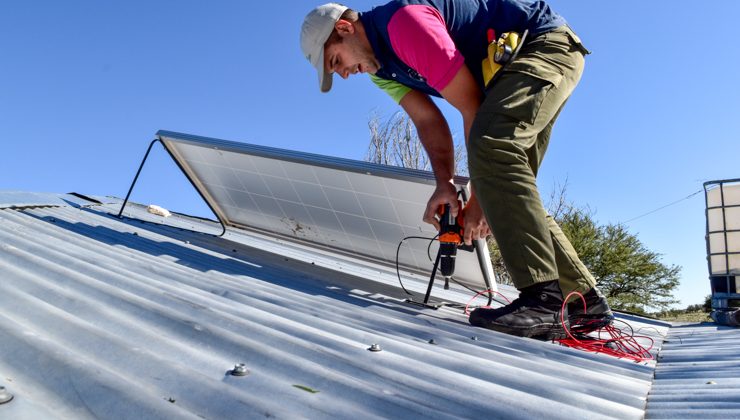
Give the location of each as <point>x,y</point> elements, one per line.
<point>501,51</point>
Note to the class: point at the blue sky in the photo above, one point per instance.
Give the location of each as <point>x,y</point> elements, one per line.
<point>86,84</point>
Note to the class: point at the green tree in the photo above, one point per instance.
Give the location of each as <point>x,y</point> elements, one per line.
<point>631,276</point>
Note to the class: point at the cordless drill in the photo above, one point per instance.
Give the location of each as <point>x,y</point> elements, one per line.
<point>450,239</point>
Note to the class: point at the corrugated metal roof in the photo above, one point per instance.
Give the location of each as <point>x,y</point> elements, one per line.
<point>108,318</point>
<point>698,374</point>
<point>22,199</point>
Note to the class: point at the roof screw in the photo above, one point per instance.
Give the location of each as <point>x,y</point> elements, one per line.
<point>240,370</point>
<point>233,250</point>
<point>474,338</point>
<point>375,348</point>
<point>5,396</point>
<point>432,342</point>
<point>187,242</point>
<point>136,234</point>
<point>711,383</point>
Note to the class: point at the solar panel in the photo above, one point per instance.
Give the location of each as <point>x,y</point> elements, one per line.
<point>349,207</point>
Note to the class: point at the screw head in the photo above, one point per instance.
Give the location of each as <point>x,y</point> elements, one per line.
<point>375,348</point>
<point>474,338</point>
<point>240,369</point>
<point>5,396</point>
<point>431,341</point>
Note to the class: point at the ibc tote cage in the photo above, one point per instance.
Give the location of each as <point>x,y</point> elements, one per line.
<point>723,242</point>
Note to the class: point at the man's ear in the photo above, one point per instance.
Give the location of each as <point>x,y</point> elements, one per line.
<point>344,27</point>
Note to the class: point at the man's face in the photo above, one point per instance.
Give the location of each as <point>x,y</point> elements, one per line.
<point>350,54</point>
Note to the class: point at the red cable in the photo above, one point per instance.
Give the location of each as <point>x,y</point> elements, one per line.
<point>480,293</point>
<point>626,345</point>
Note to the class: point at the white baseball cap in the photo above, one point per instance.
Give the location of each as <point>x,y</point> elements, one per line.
<point>316,29</point>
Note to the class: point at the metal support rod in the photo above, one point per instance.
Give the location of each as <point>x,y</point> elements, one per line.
<point>146,155</point>
<point>431,279</point>
<point>480,253</point>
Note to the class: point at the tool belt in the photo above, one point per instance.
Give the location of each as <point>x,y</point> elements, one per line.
<point>501,51</point>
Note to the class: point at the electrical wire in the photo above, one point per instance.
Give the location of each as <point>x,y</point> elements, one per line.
<point>429,255</point>
<point>617,343</point>
<point>429,247</point>
<point>661,208</point>
<point>463,285</point>
<point>610,340</point>
<point>467,312</point>
<point>398,250</point>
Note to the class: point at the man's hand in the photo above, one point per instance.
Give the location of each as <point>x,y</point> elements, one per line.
<point>475,221</point>
<point>446,193</point>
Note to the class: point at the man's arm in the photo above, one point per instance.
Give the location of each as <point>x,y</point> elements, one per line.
<point>420,38</point>
<point>465,95</point>
<point>436,138</point>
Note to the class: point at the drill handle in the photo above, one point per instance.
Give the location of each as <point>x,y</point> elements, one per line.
<point>445,215</point>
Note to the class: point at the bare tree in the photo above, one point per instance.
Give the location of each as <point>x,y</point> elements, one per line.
<point>557,205</point>
<point>394,141</point>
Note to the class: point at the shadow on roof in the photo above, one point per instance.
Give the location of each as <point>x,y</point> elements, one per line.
<point>210,254</point>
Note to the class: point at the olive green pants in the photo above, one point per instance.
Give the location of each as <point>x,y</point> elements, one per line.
<point>506,146</point>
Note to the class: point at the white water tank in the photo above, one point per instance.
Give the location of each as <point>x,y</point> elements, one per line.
<point>723,241</point>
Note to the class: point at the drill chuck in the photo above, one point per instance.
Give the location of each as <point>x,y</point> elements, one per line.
<point>448,254</point>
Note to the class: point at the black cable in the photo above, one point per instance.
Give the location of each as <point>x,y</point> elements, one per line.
<point>464,285</point>
<point>429,255</point>
<point>398,270</point>
<point>429,247</point>
<point>662,207</point>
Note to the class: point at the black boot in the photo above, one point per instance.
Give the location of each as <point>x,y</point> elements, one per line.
<point>597,315</point>
<point>536,313</point>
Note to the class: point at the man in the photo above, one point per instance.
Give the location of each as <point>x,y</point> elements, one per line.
<point>416,48</point>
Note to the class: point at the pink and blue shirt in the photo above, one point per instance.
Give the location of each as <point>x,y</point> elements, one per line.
<point>422,44</point>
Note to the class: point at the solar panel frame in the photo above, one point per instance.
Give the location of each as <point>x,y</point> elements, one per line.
<point>267,178</point>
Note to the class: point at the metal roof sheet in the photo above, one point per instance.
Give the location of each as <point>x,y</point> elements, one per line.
<point>22,199</point>
<point>698,374</point>
<point>117,318</point>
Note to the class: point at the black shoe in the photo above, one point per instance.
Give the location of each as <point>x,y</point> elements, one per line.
<point>598,314</point>
<point>536,313</point>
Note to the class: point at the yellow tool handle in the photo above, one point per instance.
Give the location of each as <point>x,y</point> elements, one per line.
<point>500,52</point>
